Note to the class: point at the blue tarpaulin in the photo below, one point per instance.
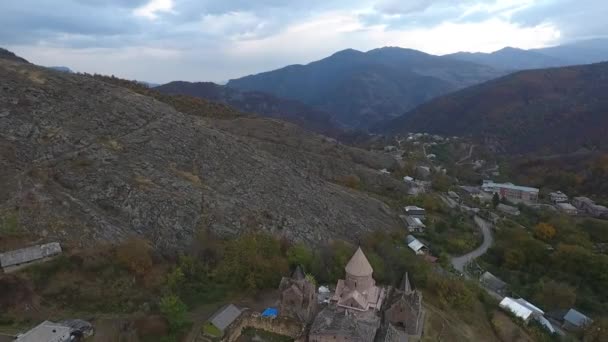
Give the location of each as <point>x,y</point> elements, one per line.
<point>270,312</point>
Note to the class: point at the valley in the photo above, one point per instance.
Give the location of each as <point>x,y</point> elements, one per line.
<point>179,212</point>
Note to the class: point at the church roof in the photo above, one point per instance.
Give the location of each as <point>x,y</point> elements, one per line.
<point>298,274</point>
<point>358,265</point>
<point>405,284</point>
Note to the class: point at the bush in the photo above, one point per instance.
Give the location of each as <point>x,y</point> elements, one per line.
<point>174,311</point>
<point>135,255</point>
<point>351,181</point>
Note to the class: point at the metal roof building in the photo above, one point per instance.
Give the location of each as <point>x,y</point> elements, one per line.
<point>225,316</point>
<point>516,308</point>
<point>576,319</point>
<point>13,260</point>
<point>46,332</point>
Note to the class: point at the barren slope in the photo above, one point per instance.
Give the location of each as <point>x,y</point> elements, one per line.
<point>87,161</point>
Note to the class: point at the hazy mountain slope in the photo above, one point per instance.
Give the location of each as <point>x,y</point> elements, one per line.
<point>582,52</point>
<point>5,54</point>
<point>362,88</point>
<point>510,59</point>
<point>547,110</point>
<point>86,161</point>
<point>257,102</point>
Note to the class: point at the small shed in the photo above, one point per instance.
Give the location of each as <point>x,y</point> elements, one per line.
<point>575,320</point>
<point>415,245</point>
<point>17,259</point>
<point>414,211</point>
<point>217,324</point>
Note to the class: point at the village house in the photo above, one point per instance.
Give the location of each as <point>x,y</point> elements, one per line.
<point>415,245</point>
<point>588,206</point>
<point>217,325</point>
<point>298,297</point>
<point>48,332</point>
<point>566,208</point>
<point>414,211</point>
<point>526,311</point>
<point>575,321</point>
<point>15,260</point>
<point>558,197</point>
<point>454,196</point>
<point>405,313</point>
<point>423,172</point>
<point>416,187</point>
<point>511,192</point>
<point>353,311</point>
<point>413,224</point>
<point>508,209</point>
<point>390,148</point>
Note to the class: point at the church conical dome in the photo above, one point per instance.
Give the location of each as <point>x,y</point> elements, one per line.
<point>358,265</point>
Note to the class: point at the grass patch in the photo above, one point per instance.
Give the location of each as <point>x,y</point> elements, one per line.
<point>9,223</point>
<point>211,330</point>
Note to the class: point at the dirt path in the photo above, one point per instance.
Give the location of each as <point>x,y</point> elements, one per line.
<point>467,157</point>
<point>488,239</point>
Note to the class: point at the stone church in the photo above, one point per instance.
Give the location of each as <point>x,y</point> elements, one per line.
<point>404,317</point>
<point>353,312</point>
<point>298,297</point>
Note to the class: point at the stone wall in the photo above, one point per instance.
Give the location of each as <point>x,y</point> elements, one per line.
<point>280,325</point>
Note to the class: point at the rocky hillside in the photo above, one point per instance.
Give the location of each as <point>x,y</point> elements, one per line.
<point>359,88</point>
<point>257,102</point>
<point>87,160</point>
<point>538,111</point>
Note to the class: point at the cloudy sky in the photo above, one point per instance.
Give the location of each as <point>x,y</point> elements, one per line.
<point>215,40</point>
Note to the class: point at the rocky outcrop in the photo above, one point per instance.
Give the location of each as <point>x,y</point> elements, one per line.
<point>86,161</point>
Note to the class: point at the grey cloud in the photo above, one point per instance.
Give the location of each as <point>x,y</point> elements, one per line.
<point>576,19</point>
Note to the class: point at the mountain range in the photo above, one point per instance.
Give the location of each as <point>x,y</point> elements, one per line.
<point>582,52</point>
<point>542,111</point>
<point>90,159</point>
<point>361,88</point>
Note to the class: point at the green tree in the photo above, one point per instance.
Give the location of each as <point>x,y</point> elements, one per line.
<point>174,311</point>
<point>554,295</point>
<point>495,200</point>
<point>253,262</point>
<point>300,254</point>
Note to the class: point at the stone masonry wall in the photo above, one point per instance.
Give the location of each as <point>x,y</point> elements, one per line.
<point>280,325</point>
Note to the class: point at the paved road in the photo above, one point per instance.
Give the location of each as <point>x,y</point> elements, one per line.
<point>488,240</point>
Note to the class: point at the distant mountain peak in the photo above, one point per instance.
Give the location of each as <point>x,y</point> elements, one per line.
<point>347,52</point>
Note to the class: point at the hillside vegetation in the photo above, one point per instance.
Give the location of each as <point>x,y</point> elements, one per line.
<point>257,102</point>
<point>538,111</point>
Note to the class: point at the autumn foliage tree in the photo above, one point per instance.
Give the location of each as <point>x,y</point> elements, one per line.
<point>136,255</point>
<point>544,231</point>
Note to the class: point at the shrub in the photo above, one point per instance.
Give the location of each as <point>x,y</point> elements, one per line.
<point>135,255</point>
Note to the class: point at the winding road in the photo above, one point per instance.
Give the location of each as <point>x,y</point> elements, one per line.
<point>488,239</point>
